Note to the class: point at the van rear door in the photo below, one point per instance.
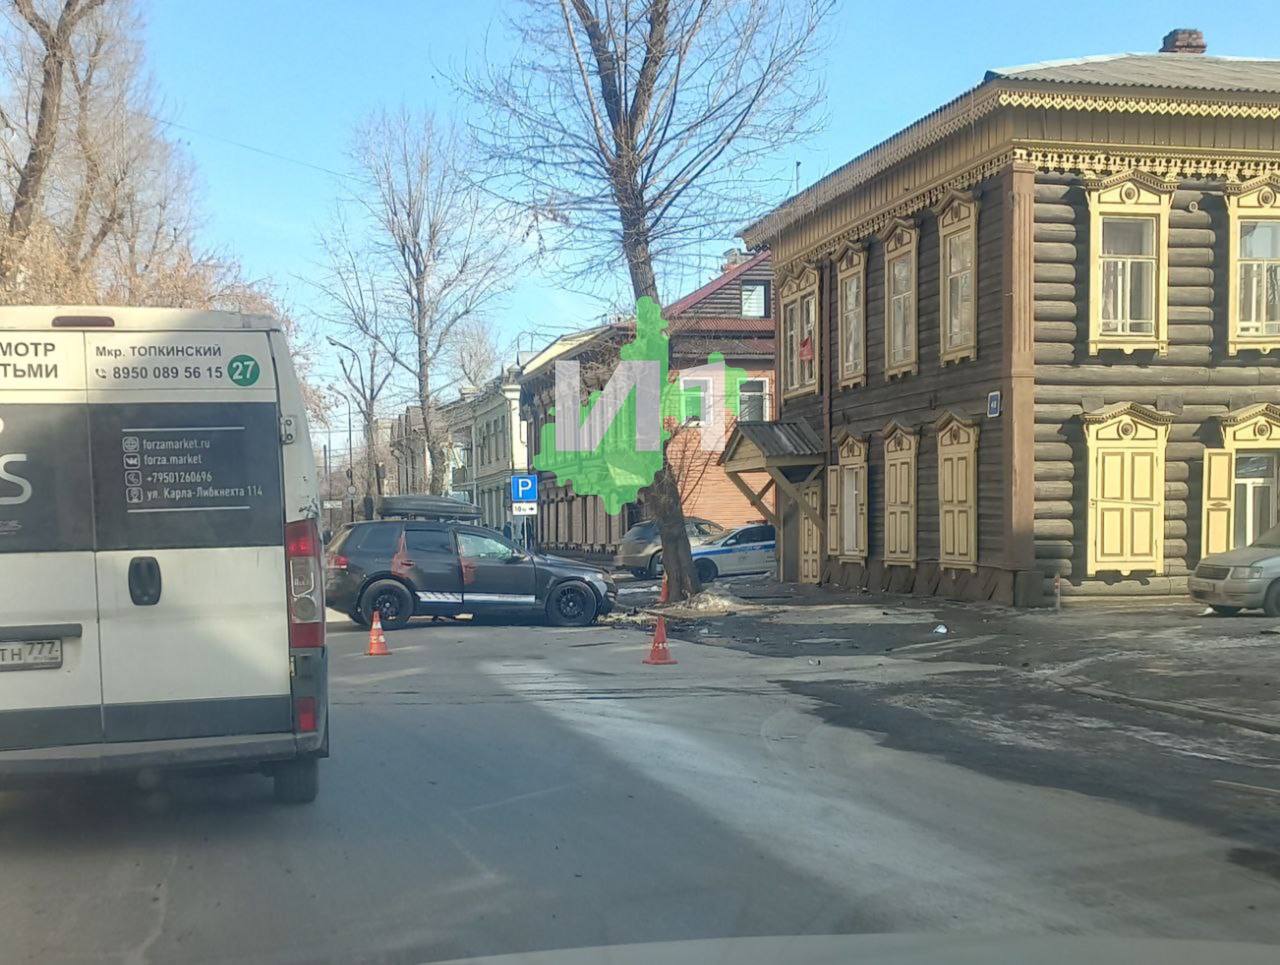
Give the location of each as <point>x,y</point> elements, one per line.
<point>50,685</point>
<point>190,565</point>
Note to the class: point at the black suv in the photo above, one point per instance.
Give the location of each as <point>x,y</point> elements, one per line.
<point>404,568</point>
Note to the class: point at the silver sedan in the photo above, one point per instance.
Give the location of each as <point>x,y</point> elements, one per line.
<point>1242,579</point>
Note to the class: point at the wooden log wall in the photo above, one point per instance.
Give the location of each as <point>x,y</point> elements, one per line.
<point>1195,381</point>
<point>918,401</point>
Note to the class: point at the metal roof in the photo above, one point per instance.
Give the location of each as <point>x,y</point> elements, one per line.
<point>1158,71</point>
<point>1183,71</point>
<point>723,323</point>
<point>784,438</point>
<point>729,347</point>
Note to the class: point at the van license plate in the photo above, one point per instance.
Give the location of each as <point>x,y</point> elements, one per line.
<point>31,655</point>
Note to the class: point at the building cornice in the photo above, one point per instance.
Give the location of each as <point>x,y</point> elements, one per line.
<point>984,100</point>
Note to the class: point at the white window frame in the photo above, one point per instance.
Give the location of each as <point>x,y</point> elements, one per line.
<point>1130,194</point>
<point>901,241</point>
<point>764,298</point>
<point>766,397</point>
<point>1252,201</point>
<point>687,382</point>
<point>851,269</point>
<point>957,220</point>
<point>1125,265</point>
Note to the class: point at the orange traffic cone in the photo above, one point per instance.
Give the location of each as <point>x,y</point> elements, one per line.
<point>377,639</point>
<point>659,655</point>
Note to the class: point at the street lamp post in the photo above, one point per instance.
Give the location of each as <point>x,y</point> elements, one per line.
<point>351,446</point>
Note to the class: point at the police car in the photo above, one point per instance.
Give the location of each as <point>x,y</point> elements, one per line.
<point>747,549</point>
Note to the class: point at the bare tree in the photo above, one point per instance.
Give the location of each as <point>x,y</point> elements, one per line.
<point>633,128</point>
<point>448,254</point>
<point>55,38</point>
<point>353,304</point>
<point>97,203</point>
<point>475,352</point>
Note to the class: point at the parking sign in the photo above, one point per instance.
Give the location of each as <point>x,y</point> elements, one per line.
<point>524,488</point>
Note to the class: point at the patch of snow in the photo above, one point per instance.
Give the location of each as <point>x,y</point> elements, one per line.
<point>636,590</point>
<point>850,613</point>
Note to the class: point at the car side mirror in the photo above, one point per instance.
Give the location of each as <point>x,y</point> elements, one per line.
<point>516,557</point>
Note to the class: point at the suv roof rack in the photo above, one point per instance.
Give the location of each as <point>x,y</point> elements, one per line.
<point>426,507</point>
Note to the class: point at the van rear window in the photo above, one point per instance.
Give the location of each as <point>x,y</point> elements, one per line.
<point>171,475</point>
<point>46,493</point>
<point>139,476</point>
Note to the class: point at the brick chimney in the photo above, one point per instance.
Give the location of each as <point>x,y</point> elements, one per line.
<point>732,258</point>
<point>1183,41</point>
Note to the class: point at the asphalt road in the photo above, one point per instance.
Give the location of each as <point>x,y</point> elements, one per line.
<point>505,789</point>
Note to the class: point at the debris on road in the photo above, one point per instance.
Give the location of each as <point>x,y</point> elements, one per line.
<point>940,628</point>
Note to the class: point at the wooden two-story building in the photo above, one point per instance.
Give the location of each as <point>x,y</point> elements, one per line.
<point>1036,334</point>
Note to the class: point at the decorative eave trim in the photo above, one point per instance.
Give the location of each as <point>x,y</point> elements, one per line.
<point>1269,180</point>
<point>1135,410</point>
<point>1133,175</point>
<point>976,104</point>
<point>1245,413</point>
<point>1236,169</point>
<point>1213,105</point>
<point>875,224</point>
<point>1093,160</point>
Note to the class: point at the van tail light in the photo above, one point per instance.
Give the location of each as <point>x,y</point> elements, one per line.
<point>304,584</point>
<point>304,715</point>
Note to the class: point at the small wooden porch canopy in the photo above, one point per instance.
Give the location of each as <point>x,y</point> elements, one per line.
<point>789,453</point>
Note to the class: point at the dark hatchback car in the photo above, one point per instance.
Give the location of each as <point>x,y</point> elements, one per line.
<point>404,568</point>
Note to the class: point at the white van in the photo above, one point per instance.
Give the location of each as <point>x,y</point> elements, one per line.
<point>160,564</point>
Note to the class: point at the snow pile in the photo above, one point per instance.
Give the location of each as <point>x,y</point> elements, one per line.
<point>712,599</point>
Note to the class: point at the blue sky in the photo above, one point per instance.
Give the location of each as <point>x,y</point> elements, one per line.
<point>293,77</point>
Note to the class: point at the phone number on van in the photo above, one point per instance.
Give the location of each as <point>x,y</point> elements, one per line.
<point>163,372</point>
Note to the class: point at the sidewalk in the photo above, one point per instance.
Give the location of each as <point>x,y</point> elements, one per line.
<point>1167,656</point>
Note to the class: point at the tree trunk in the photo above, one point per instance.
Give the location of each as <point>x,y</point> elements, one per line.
<point>662,496</point>
<point>39,156</point>
<point>662,501</point>
<point>439,457</point>
<point>370,454</point>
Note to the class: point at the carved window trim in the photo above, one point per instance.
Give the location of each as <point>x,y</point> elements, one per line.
<point>851,465</point>
<point>1130,194</point>
<point>958,438</point>
<point>957,218</point>
<point>851,266</point>
<point>798,293</point>
<point>901,446</point>
<point>1250,428</point>
<point>1256,200</point>
<point>1125,429</point>
<point>902,241</point>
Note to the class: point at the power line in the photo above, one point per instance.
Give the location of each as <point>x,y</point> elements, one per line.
<point>256,150</point>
